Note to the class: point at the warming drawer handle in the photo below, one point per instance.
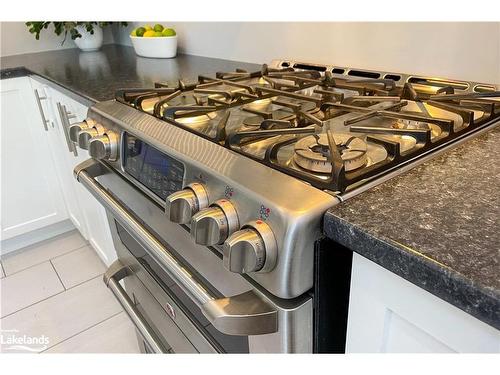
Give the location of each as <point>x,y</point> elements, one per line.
<point>244,314</point>
<point>112,277</point>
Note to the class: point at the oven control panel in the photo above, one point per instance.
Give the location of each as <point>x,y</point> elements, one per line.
<point>160,173</point>
<point>248,248</point>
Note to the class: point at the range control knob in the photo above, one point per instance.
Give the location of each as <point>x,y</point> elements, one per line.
<point>85,135</point>
<point>182,205</point>
<point>251,249</point>
<point>214,224</point>
<point>77,127</point>
<point>104,146</point>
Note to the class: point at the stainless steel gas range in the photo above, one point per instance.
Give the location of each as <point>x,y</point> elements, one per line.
<point>216,190</point>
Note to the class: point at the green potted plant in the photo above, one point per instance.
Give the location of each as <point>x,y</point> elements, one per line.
<point>87,35</point>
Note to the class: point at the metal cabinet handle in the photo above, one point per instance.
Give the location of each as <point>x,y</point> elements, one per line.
<point>248,313</point>
<point>64,116</point>
<point>40,108</point>
<point>113,275</point>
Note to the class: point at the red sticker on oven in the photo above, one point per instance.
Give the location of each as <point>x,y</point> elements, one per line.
<point>264,212</point>
<point>228,192</point>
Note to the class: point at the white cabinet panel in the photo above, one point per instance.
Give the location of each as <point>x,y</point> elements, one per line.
<point>61,155</point>
<point>86,212</point>
<point>31,195</point>
<point>389,314</point>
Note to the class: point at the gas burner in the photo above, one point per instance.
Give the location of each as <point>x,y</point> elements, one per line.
<point>256,121</point>
<point>259,105</point>
<point>197,120</point>
<point>313,152</point>
<point>276,108</point>
<point>417,125</point>
<point>409,124</point>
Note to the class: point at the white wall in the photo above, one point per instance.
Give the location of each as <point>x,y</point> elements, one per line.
<point>469,51</point>
<point>15,39</point>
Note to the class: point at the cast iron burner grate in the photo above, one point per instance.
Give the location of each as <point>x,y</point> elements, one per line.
<point>307,103</point>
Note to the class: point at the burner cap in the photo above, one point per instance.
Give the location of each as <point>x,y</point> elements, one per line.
<point>409,124</point>
<point>313,154</point>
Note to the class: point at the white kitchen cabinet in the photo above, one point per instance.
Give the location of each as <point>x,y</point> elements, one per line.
<point>31,194</point>
<point>389,314</point>
<point>85,211</point>
<point>59,148</point>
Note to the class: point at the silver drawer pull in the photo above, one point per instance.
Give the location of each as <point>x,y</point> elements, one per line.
<point>244,314</point>
<point>63,115</point>
<point>113,275</point>
<point>40,108</point>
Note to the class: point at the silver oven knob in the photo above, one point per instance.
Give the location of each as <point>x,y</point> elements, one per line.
<point>251,249</point>
<point>77,127</point>
<point>182,205</point>
<point>85,135</point>
<point>104,146</point>
<point>214,224</point>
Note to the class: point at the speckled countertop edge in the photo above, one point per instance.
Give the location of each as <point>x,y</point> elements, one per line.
<point>354,224</point>
<point>435,278</point>
<point>22,71</point>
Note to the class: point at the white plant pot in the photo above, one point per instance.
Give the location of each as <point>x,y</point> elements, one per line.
<point>163,47</point>
<point>88,41</point>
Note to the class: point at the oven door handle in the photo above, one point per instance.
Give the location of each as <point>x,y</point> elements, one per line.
<point>249,313</point>
<point>116,272</point>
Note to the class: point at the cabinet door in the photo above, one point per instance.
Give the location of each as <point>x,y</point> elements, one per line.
<point>61,154</point>
<point>389,314</point>
<point>93,214</point>
<point>31,194</point>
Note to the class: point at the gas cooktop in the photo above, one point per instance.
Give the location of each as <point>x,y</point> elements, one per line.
<point>334,128</point>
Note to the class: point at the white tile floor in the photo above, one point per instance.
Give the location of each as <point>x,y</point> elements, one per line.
<point>54,289</point>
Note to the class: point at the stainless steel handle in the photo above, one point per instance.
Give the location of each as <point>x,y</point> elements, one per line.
<point>63,115</point>
<point>40,108</point>
<point>112,277</point>
<point>244,314</point>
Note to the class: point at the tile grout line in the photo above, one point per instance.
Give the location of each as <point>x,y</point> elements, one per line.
<point>59,277</point>
<point>45,299</point>
<point>78,333</point>
<point>72,251</point>
<point>33,304</point>
<point>41,243</point>
<point>83,282</point>
<point>3,270</point>
<point>47,260</point>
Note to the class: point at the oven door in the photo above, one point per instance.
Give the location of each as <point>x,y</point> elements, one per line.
<point>177,293</point>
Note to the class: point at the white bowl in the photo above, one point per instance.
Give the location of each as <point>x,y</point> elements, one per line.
<point>161,47</point>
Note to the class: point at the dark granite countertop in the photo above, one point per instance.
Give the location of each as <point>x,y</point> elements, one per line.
<point>437,226</point>
<point>96,76</point>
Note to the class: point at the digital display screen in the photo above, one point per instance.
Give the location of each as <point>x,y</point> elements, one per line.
<point>158,172</point>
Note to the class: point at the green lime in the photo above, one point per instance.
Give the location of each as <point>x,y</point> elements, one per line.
<point>140,31</point>
<point>158,28</point>
<point>134,32</point>
<point>168,32</point>
<point>158,33</point>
